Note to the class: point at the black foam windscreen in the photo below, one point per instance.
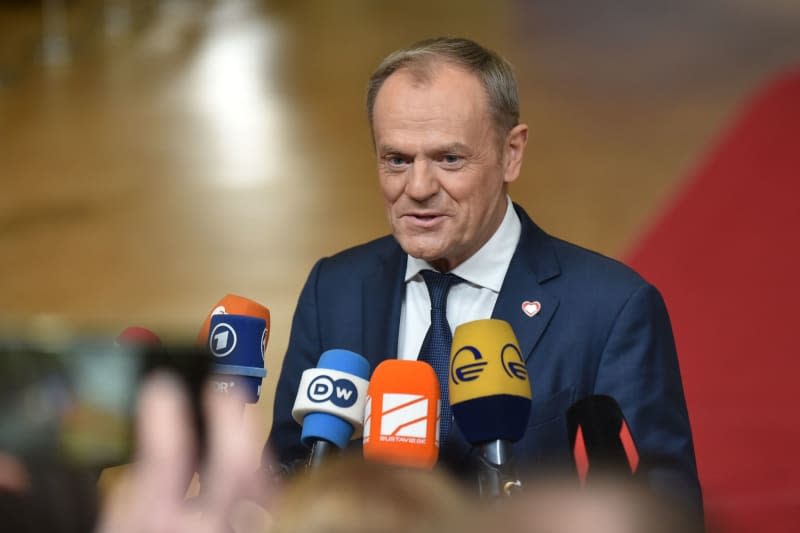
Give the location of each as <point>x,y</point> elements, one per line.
<point>489,418</point>
<point>599,422</point>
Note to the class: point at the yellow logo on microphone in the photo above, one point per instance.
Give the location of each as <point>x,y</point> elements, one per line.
<point>485,360</point>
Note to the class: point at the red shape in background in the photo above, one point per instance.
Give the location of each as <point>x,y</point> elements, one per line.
<point>581,457</point>
<point>138,336</point>
<point>630,448</point>
<point>726,256</point>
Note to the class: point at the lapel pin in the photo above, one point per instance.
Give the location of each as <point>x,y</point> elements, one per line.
<point>531,308</point>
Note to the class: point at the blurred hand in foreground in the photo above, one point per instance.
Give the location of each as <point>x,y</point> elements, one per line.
<point>234,496</point>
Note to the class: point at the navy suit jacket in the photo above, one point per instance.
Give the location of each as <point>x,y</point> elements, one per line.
<point>601,329</point>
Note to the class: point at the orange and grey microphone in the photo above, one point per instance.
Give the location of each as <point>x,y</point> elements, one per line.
<point>232,304</point>
<point>600,438</point>
<point>401,418</point>
<point>490,395</point>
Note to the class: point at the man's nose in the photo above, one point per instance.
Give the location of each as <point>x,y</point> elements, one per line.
<point>422,181</point>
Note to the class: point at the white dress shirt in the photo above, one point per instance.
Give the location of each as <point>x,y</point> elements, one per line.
<point>473,299</point>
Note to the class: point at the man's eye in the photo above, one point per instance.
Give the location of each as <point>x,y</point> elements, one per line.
<point>395,161</point>
<point>452,160</point>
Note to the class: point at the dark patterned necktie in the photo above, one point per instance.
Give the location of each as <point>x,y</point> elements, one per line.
<point>436,346</point>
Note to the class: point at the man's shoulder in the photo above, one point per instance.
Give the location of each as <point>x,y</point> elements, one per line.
<point>570,264</point>
<point>594,288</point>
<point>576,259</point>
<point>594,276</point>
<point>363,257</point>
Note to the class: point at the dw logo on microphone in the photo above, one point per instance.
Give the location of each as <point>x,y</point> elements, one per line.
<point>222,340</point>
<point>342,392</point>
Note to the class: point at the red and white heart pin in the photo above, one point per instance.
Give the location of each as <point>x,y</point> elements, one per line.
<point>531,308</point>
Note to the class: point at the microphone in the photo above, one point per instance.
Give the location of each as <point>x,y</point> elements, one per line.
<point>600,438</point>
<point>401,418</point>
<point>138,337</point>
<point>237,343</point>
<point>330,403</point>
<point>232,304</point>
<point>490,396</point>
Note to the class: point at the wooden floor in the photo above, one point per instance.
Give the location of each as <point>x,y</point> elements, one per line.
<point>154,158</point>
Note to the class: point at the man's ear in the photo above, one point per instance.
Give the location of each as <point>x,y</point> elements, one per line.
<point>514,148</point>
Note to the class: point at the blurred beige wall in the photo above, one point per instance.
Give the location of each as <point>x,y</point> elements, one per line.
<point>155,156</point>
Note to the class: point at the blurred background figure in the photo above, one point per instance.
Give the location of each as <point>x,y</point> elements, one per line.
<point>159,153</point>
<point>354,496</point>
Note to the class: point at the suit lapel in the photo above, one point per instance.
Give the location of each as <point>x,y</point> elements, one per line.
<point>533,263</point>
<point>382,299</point>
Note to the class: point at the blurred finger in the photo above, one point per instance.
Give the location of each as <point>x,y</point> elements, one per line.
<point>153,498</point>
<point>13,475</point>
<point>232,457</point>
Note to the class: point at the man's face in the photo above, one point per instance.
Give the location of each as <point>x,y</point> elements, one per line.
<point>442,170</point>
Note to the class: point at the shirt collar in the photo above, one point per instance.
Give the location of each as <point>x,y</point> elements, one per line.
<point>487,267</point>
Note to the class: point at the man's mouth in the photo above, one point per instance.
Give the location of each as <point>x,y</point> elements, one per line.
<point>424,220</point>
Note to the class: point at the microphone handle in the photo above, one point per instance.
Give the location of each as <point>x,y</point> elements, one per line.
<point>496,473</point>
<point>320,451</point>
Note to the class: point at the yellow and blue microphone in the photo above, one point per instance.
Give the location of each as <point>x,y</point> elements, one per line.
<point>490,392</point>
<point>490,396</point>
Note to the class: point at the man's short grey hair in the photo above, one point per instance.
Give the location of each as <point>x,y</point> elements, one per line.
<point>494,72</point>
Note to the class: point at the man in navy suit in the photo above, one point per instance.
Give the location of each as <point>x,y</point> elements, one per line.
<point>445,122</point>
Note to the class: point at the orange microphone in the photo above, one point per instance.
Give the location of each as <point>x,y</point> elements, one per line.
<point>232,304</point>
<point>401,419</point>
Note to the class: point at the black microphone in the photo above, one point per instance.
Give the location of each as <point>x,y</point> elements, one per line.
<point>600,438</point>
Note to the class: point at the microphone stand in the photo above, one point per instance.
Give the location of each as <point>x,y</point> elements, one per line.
<point>320,451</point>
<point>496,473</point>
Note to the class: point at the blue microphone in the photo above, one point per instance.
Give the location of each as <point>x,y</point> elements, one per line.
<point>330,402</point>
<point>237,343</point>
